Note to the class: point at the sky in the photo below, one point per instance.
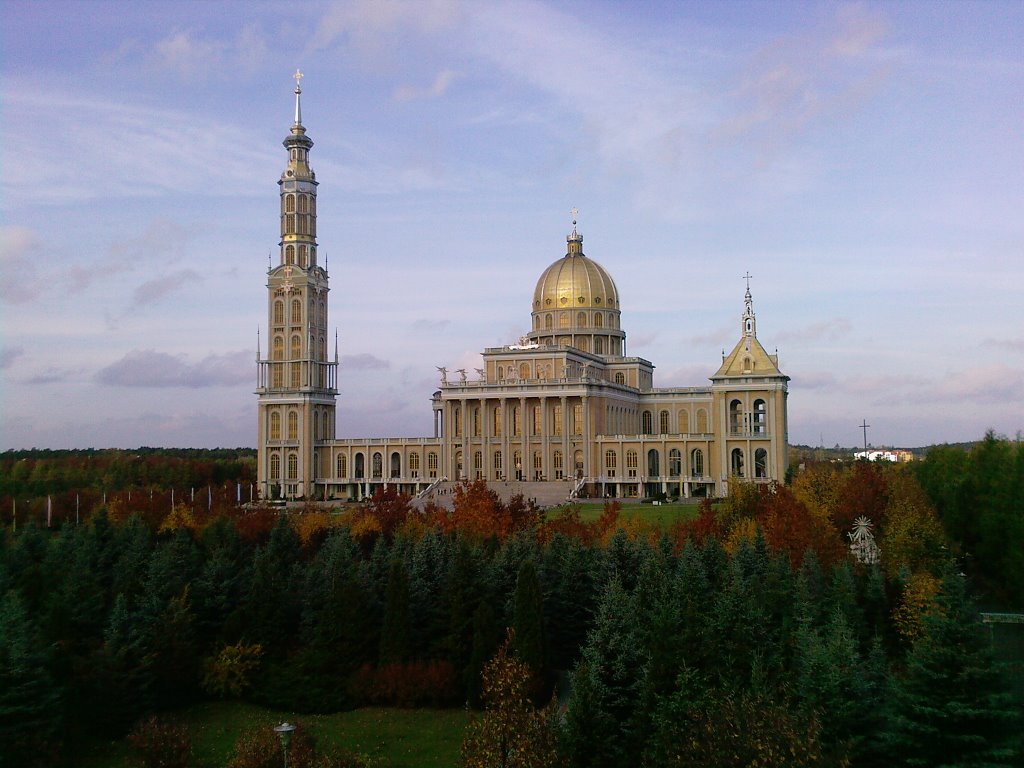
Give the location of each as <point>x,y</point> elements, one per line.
<point>863,161</point>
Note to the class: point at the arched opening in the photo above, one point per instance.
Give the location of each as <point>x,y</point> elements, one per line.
<point>675,463</point>
<point>360,466</point>
<point>737,462</point>
<point>760,463</point>
<point>653,463</point>
<point>396,465</point>
<point>697,462</point>
<point>378,467</point>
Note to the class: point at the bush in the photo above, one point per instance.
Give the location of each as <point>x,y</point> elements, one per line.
<point>159,742</point>
<point>261,748</point>
<point>415,684</point>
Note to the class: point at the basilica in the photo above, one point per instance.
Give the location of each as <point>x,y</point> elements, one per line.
<point>565,409</point>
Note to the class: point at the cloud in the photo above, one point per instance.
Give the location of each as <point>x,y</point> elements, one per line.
<point>8,355</point>
<point>158,288</point>
<point>54,376</point>
<point>374,26</point>
<point>826,330</point>
<point>723,335</point>
<point>823,381</point>
<point>19,254</point>
<point>363,362</point>
<point>431,324</point>
<point>984,384</point>
<point>148,368</point>
<point>190,56</point>
<point>1014,345</point>
<point>438,88</point>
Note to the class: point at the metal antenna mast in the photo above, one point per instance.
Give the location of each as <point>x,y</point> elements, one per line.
<point>864,426</point>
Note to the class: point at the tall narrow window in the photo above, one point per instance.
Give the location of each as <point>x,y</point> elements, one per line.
<point>396,465</point>
<point>293,425</point>
<point>278,312</point>
<point>559,466</point>
<point>760,463</point>
<point>296,312</point>
<point>631,463</point>
<point>517,464</point>
<point>459,465</point>
<point>647,423</point>
<point>620,378</point>
<point>538,466</point>
<point>611,463</point>
<point>517,421</point>
<point>760,417</point>
<point>342,465</point>
<point>457,421</point>
<point>684,422</point>
<point>697,462</point>
<point>432,464</point>
<point>737,462</point>
<point>675,463</point>
<point>478,465</point>
<point>577,419</point>
<point>537,421</point>
<point>378,466</point>
<point>702,421</point>
<point>653,463</point>
<point>476,421</point>
<point>275,426</point>
<point>524,371</point>
<point>275,466</point>
<point>293,466</point>
<point>498,467</point>
<point>360,466</point>
<point>736,417</point>
<point>414,465</point>
<point>497,421</point>
<point>556,428</point>
<point>663,423</point>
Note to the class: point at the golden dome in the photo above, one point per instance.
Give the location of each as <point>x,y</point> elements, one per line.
<point>574,281</point>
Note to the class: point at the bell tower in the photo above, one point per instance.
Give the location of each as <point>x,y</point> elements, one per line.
<point>296,383</point>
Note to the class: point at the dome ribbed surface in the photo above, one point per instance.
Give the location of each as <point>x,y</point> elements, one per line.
<point>575,281</point>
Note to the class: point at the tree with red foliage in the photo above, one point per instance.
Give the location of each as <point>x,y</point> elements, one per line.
<point>389,508</point>
<point>864,492</point>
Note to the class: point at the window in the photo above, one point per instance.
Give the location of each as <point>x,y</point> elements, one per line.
<point>296,312</point>
<point>537,420</point>
<point>342,468</point>
<point>647,423</point>
<point>577,419</point>
<point>498,468</point>
<point>457,421</point>
<point>293,466</point>
<point>760,418</point>
<point>559,466</point>
<point>663,423</point>
<point>631,463</point>
<point>599,345</point>
<point>296,347</point>
<point>702,421</point>
<point>278,348</point>
<point>547,321</point>
<point>737,462</point>
<point>517,420</point>
<point>275,426</point>
<point>414,465</point>
<point>275,466</point>
<point>564,318</point>
<point>684,422</point>
<point>289,203</point>
<point>458,465</point>
<point>293,425</point>
<point>611,462</point>
<point>432,464</point>
<point>378,466</point>
<point>736,417</point>
<point>517,463</point>
<point>497,421</point>
<point>598,320</point>
<point>396,465</point>
<point>303,204</point>
<point>289,254</point>
<point>524,371</point>
<point>620,378</point>
<point>556,412</point>
<point>538,466</point>
<point>653,463</point>
<point>278,312</point>
<point>478,465</point>
<point>578,464</point>
<point>360,466</point>
<point>760,463</point>
<point>675,463</point>
<point>697,462</point>
<point>581,320</point>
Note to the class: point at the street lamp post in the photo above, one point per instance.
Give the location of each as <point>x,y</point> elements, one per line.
<point>284,730</point>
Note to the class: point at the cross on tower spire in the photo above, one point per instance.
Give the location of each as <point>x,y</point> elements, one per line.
<point>298,92</point>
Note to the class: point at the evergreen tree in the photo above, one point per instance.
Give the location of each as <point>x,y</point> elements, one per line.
<point>952,707</point>
<point>395,635</point>
<point>528,625</point>
<point>485,641</point>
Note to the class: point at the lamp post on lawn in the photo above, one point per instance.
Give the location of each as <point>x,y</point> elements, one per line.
<point>284,730</point>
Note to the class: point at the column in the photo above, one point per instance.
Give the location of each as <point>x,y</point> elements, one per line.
<point>566,459</point>
<point>524,431</point>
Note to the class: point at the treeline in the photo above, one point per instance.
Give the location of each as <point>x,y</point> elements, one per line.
<point>34,473</point>
<point>979,496</point>
<point>748,635</point>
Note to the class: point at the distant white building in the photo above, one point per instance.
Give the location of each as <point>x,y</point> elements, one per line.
<point>884,454</point>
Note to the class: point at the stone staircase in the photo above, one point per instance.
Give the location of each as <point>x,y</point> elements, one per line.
<point>544,494</point>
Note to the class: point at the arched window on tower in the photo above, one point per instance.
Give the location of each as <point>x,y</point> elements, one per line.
<point>275,426</point>
<point>303,204</point>
<point>663,427</point>
<point>737,462</point>
<point>289,254</point>
<point>278,353</point>
<point>293,425</point>
<point>302,256</point>
<point>736,417</point>
<point>293,466</point>
<point>760,418</point>
<point>278,312</point>
<point>296,312</point>
<point>275,466</point>
<point>342,468</point>
<point>760,463</point>
<point>289,203</point>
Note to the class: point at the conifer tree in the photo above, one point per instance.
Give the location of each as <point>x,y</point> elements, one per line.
<point>395,634</point>
<point>528,624</point>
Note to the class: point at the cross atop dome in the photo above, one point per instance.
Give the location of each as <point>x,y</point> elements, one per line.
<point>575,239</point>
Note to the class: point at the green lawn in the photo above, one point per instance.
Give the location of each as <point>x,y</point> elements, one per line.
<point>399,738</point>
<point>663,515</point>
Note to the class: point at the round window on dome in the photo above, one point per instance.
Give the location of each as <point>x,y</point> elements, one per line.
<point>580,299</point>
<point>547,301</point>
<point>564,300</point>
<point>597,299</point>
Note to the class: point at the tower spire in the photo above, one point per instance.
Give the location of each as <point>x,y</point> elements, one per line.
<point>749,320</point>
<point>298,93</point>
<point>574,238</point>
